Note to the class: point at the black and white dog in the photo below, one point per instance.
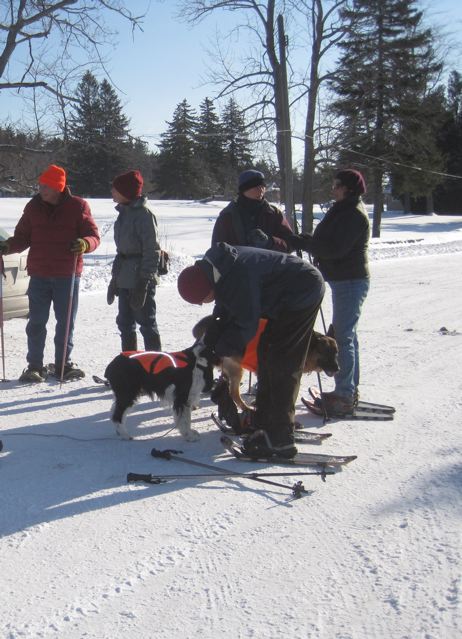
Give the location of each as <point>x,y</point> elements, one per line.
<point>177,379</point>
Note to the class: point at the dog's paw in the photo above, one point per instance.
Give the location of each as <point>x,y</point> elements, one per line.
<point>122,432</point>
<point>192,436</point>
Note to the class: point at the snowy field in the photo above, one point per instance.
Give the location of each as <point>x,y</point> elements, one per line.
<point>372,553</point>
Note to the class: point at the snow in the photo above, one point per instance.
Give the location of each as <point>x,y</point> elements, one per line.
<point>372,553</point>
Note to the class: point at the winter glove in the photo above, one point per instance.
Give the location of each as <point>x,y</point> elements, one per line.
<point>4,247</point>
<point>259,239</point>
<point>162,269</point>
<point>111,291</point>
<point>137,295</point>
<point>302,242</point>
<point>79,246</point>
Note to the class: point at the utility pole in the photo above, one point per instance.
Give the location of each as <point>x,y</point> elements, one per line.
<point>288,176</point>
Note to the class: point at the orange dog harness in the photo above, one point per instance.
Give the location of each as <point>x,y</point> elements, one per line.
<point>155,362</point>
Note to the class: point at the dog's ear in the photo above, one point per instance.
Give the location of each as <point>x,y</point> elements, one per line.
<point>331,332</point>
<point>202,325</point>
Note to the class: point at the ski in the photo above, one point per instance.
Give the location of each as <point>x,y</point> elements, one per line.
<point>297,489</point>
<point>357,414</point>
<point>361,405</point>
<point>301,459</point>
<point>301,436</point>
<point>100,380</point>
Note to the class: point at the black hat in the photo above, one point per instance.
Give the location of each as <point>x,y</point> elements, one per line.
<point>250,178</point>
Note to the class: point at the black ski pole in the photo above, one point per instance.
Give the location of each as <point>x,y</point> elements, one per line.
<point>321,313</point>
<point>168,454</point>
<point>156,479</point>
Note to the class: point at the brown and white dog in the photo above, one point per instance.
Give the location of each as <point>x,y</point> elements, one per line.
<point>321,357</point>
<point>177,379</point>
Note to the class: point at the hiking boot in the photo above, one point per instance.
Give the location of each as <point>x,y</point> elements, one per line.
<point>33,375</point>
<point>70,372</point>
<point>259,445</point>
<point>337,405</point>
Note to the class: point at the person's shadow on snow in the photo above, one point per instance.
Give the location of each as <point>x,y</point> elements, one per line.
<point>53,470</point>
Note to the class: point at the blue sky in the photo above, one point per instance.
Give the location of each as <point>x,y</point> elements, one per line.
<point>167,62</point>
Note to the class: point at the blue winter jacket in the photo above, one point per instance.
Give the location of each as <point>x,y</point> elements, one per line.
<point>250,283</point>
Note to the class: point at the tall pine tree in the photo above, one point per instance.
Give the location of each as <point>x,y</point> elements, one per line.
<point>382,76</point>
<point>178,173</point>
<point>236,144</point>
<point>209,148</point>
<point>98,138</point>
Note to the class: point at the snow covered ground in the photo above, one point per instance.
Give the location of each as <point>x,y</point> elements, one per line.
<point>372,553</point>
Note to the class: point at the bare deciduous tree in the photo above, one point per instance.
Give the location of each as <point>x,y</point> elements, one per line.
<point>40,42</point>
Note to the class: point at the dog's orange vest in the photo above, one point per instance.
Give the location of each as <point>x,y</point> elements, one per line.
<point>155,362</point>
<point>250,360</point>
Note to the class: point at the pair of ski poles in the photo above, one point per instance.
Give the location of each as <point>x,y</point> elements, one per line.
<point>68,318</point>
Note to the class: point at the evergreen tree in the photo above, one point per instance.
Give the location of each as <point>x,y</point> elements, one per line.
<point>178,171</point>
<point>382,77</point>
<point>449,195</point>
<point>236,144</point>
<point>209,147</point>
<point>98,138</point>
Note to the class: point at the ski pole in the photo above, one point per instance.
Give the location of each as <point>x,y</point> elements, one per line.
<point>153,479</point>
<point>2,335</point>
<point>68,319</point>
<point>172,454</point>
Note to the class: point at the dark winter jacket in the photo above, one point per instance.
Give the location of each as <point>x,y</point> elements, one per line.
<point>49,230</point>
<point>236,222</point>
<point>251,283</point>
<point>340,241</point>
<point>136,239</point>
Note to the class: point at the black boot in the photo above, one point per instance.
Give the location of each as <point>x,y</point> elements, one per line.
<point>130,343</point>
<point>262,444</point>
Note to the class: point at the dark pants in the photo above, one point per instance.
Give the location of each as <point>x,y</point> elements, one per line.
<point>281,356</point>
<point>127,319</point>
<point>42,292</point>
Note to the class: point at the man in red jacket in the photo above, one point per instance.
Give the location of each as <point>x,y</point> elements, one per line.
<point>57,228</point>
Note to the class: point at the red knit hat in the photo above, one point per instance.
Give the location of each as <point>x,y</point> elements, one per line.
<point>353,180</point>
<point>130,184</point>
<point>193,284</point>
<point>54,177</point>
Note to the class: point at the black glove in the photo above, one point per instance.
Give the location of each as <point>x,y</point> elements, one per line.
<point>112,291</point>
<point>4,247</point>
<point>162,269</point>
<point>259,239</point>
<point>302,242</point>
<point>79,246</point>
<point>137,295</point>
<point>213,332</point>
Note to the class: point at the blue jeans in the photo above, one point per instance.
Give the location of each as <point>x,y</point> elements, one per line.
<point>347,299</point>
<point>42,292</point>
<point>127,319</point>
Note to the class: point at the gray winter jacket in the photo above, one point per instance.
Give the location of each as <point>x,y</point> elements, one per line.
<point>136,239</point>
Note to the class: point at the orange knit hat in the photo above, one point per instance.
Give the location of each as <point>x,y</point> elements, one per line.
<point>54,177</point>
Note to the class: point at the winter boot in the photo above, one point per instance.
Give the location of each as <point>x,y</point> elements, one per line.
<point>130,343</point>
<point>336,405</point>
<point>70,373</point>
<point>33,375</point>
<point>261,444</point>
